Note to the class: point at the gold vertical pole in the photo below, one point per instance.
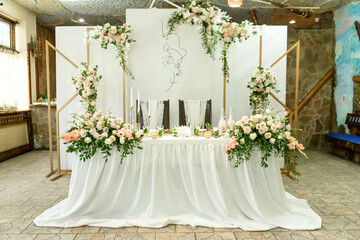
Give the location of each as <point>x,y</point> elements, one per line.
<point>49,104</point>
<point>87,51</point>
<point>297,85</point>
<point>260,52</point>
<point>124,98</point>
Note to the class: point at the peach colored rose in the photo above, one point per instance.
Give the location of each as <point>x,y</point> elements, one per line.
<point>117,38</point>
<point>87,84</point>
<point>102,34</point>
<point>109,36</point>
<point>230,33</point>
<point>195,9</point>
<point>92,103</point>
<point>113,30</point>
<point>247,130</point>
<point>211,9</point>
<point>123,36</point>
<point>87,122</point>
<point>112,138</point>
<point>267,135</point>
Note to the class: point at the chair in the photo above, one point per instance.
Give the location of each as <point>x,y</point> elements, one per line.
<point>165,117</point>
<point>182,114</point>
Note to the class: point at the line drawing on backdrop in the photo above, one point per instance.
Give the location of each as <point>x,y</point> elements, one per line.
<point>173,58</point>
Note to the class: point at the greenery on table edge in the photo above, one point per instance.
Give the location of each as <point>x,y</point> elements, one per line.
<point>215,27</point>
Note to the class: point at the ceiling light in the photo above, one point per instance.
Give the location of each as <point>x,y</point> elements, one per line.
<point>234,3</point>
<point>81,20</point>
<point>292,22</point>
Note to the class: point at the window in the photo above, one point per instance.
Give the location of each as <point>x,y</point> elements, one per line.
<point>7,34</point>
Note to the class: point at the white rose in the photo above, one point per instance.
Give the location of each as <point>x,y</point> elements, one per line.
<point>268,111</point>
<point>242,141</point>
<point>108,141</point>
<point>104,135</point>
<point>193,3</point>
<point>88,140</point>
<point>272,140</point>
<point>287,134</point>
<point>107,25</point>
<point>137,134</point>
<point>226,135</point>
<point>236,131</point>
<point>253,136</point>
<point>288,127</point>
<point>122,140</point>
<point>238,123</point>
<point>114,132</point>
<point>280,137</point>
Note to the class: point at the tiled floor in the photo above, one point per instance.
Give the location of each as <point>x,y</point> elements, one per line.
<point>330,184</point>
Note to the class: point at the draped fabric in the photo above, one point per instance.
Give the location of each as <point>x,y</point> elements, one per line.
<point>195,112</point>
<point>156,111</point>
<point>173,181</point>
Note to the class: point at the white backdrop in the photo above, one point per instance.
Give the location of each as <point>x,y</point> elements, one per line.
<point>201,76</point>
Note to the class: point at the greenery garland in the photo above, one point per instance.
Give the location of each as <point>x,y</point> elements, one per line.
<point>215,27</point>
<point>119,36</point>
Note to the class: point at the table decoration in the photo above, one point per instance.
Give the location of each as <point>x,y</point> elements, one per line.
<point>268,133</point>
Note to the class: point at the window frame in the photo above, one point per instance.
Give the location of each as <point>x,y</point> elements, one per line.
<point>12,24</point>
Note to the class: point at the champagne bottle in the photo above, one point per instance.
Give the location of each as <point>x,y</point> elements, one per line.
<point>231,121</point>
<point>222,123</point>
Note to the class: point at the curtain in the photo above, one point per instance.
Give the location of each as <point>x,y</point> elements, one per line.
<point>14,80</point>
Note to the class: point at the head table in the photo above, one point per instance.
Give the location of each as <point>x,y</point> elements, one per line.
<point>179,181</point>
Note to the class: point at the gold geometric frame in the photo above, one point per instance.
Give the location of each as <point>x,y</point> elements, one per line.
<point>286,170</point>
<point>58,170</point>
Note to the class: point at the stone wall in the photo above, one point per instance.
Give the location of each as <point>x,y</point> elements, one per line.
<point>316,58</point>
<point>40,126</point>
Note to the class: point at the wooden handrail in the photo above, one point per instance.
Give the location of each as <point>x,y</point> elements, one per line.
<point>315,89</point>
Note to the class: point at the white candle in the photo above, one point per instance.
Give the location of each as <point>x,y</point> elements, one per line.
<point>138,101</point>
<point>149,108</point>
<point>131,97</point>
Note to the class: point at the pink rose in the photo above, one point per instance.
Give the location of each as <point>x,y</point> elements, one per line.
<point>109,36</point>
<point>87,84</point>
<point>102,34</point>
<point>247,130</point>
<point>286,113</point>
<point>211,9</point>
<point>101,118</point>
<point>230,32</point>
<point>87,122</point>
<point>92,103</point>
<point>269,75</point>
<point>267,135</point>
<point>214,20</point>
<point>254,118</point>
<point>301,147</point>
<point>82,78</point>
<point>113,30</point>
<point>112,138</point>
<point>195,9</point>
<point>92,73</point>
<point>258,81</point>
<point>123,49</point>
<point>117,38</point>
<point>291,146</point>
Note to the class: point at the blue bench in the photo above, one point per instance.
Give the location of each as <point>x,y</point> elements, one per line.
<point>347,145</point>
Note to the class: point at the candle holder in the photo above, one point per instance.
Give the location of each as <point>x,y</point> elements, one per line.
<point>131,115</point>
<point>138,114</point>
<point>149,121</point>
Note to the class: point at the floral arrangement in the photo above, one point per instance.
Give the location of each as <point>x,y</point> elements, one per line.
<point>261,84</point>
<point>119,36</point>
<point>214,25</point>
<point>267,133</point>
<point>201,14</point>
<point>86,83</point>
<point>92,131</point>
<point>7,108</point>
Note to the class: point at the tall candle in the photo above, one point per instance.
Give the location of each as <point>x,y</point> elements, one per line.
<point>131,97</point>
<point>138,101</point>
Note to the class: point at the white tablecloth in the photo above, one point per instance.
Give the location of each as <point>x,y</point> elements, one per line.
<point>179,181</point>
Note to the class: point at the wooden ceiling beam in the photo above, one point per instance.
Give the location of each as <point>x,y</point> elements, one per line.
<point>304,14</point>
